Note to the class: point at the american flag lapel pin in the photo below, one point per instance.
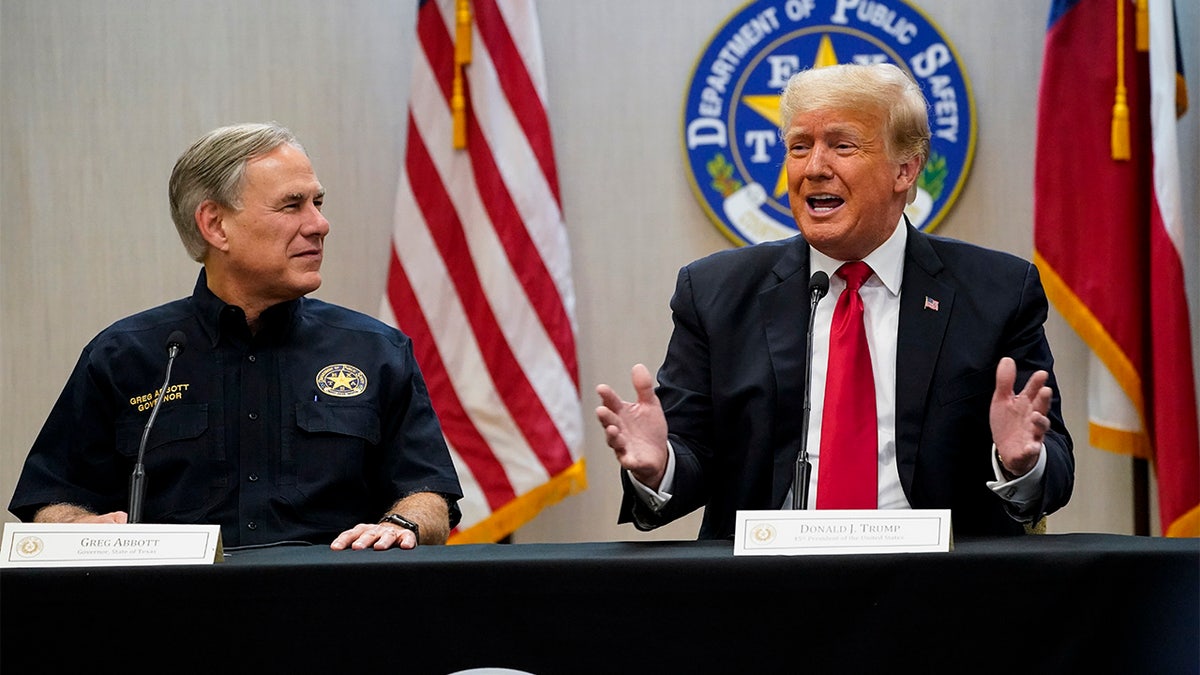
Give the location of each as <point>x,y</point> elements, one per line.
<point>930,303</point>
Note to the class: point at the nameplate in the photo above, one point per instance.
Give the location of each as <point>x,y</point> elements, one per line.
<point>108,545</point>
<point>833,532</point>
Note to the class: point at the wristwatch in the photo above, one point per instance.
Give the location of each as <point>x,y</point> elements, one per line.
<point>397,519</point>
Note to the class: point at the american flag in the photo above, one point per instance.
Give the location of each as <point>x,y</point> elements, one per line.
<point>480,274</point>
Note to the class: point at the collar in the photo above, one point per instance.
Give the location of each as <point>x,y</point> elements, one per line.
<point>221,320</point>
<point>887,261</point>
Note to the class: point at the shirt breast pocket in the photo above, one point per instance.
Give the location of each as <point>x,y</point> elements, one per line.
<point>331,444</point>
<point>181,482</point>
<point>173,427</point>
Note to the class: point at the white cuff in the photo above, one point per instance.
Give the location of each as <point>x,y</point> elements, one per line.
<point>1022,490</point>
<point>655,500</point>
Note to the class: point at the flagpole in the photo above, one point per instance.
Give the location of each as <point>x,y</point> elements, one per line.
<point>1141,497</point>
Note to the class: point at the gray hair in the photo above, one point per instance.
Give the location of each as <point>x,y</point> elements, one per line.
<point>881,86</point>
<point>214,168</point>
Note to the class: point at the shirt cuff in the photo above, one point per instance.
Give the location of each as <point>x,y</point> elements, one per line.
<point>655,500</point>
<point>1022,491</point>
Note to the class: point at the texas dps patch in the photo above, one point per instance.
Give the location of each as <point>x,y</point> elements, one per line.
<point>731,114</point>
<point>341,380</point>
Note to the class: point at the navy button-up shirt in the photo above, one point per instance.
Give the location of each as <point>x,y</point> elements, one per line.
<point>318,422</point>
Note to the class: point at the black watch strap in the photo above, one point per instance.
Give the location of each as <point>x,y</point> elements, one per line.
<point>397,519</point>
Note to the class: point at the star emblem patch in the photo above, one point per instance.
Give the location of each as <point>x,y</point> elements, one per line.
<point>342,380</point>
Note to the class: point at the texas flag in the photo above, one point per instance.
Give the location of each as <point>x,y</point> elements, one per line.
<point>1109,231</point>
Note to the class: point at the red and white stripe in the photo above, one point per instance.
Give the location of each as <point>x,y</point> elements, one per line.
<point>480,276</point>
<point>1174,417</point>
<point>1124,292</point>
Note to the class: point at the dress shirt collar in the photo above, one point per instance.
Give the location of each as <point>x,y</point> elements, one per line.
<point>887,261</point>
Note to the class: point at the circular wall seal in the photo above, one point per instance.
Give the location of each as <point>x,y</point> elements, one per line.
<point>731,113</point>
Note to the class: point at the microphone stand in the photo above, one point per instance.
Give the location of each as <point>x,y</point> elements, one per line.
<point>137,481</point>
<point>818,286</point>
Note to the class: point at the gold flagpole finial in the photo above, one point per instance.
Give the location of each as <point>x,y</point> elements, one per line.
<point>1143,25</point>
<point>1120,111</point>
<point>462,36</point>
<point>462,56</point>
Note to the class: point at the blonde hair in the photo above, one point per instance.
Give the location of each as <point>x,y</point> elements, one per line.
<point>882,86</point>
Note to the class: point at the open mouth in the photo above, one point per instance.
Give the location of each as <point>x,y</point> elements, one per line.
<point>824,203</point>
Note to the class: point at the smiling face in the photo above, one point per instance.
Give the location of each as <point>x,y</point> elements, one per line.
<point>845,189</point>
<point>270,249</point>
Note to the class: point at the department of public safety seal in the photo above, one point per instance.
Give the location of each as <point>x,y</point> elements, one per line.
<point>731,113</point>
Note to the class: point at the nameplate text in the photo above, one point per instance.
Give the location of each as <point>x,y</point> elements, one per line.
<point>108,545</point>
<point>832,532</point>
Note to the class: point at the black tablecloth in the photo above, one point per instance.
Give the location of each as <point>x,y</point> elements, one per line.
<point>1053,603</point>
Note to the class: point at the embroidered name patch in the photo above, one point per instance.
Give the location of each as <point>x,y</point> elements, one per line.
<point>147,401</point>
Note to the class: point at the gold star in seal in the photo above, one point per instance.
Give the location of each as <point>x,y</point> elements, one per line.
<point>767,105</point>
<point>341,380</point>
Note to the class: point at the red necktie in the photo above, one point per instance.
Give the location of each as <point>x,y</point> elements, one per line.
<point>848,467</point>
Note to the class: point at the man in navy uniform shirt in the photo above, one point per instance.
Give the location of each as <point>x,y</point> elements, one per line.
<point>287,418</point>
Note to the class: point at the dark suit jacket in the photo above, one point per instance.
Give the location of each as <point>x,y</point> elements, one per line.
<point>732,383</point>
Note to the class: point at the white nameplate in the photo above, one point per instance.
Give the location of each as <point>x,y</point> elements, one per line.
<point>807,532</point>
<point>108,545</point>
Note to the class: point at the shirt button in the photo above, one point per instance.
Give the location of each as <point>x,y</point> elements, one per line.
<point>253,415</point>
<point>252,525</point>
<point>252,477</point>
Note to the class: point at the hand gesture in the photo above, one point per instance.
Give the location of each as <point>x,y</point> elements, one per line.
<point>637,431</point>
<point>1019,421</point>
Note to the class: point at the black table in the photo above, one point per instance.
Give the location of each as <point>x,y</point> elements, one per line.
<point>1052,603</point>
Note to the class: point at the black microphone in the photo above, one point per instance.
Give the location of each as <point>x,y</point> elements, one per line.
<point>818,286</point>
<point>176,341</point>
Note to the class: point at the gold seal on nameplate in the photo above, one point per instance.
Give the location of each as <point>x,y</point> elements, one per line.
<point>30,547</point>
<point>763,534</point>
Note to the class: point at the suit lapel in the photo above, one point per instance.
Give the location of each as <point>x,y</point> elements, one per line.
<point>785,323</point>
<point>925,306</point>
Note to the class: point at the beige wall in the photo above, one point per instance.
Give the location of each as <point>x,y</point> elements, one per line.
<point>98,97</point>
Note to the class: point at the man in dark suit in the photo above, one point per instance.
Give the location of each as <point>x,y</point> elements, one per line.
<point>951,328</point>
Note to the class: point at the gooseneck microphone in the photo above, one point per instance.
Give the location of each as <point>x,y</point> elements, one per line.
<point>818,286</point>
<point>176,341</point>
